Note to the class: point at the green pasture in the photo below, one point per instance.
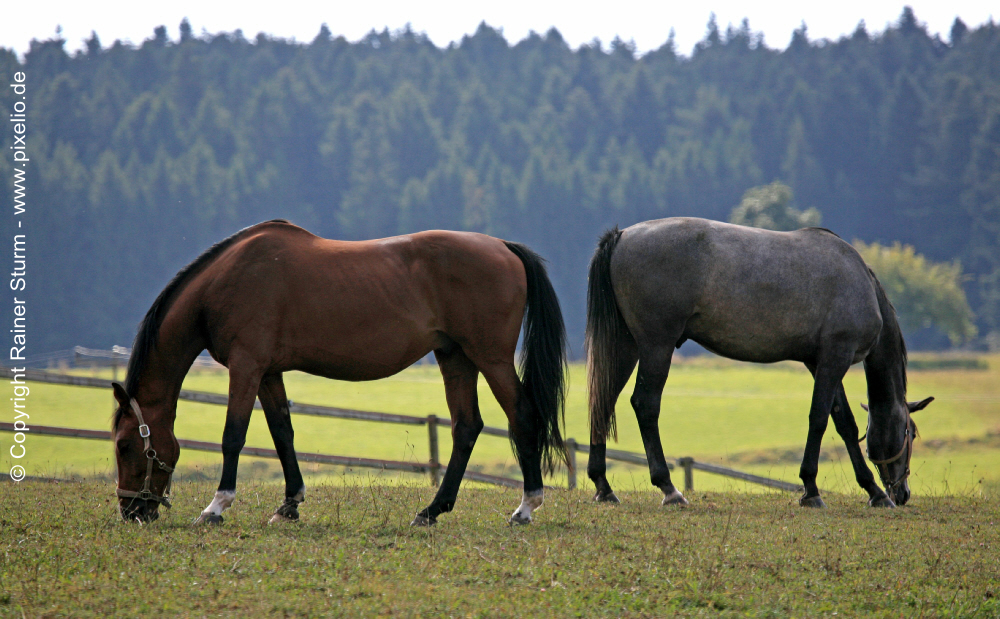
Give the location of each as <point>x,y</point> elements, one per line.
<point>746,416</point>
<point>65,553</point>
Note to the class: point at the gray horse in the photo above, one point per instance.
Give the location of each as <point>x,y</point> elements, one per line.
<point>752,295</point>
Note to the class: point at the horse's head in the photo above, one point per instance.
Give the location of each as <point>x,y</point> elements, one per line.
<point>890,446</point>
<point>145,452</point>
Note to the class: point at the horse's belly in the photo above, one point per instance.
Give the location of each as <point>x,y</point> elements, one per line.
<point>362,354</point>
<point>755,350</point>
<point>760,341</point>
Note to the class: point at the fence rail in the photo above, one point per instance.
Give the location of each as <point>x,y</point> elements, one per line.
<point>261,452</point>
<point>433,466</point>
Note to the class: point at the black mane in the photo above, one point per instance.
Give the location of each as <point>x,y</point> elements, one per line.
<point>149,327</point>
<point>891,338</point>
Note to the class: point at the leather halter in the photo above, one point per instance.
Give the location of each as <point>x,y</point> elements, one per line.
<point>146,494</point>
<point>907,447</point>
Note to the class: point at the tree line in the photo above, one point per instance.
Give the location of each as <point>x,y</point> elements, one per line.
<point>143,156</point>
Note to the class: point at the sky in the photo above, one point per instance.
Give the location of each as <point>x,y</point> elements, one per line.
<point>646,23</point>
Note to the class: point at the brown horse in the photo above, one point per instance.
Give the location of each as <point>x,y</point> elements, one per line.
<point>274,298</point>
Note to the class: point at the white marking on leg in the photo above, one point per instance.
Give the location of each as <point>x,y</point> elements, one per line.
<point>223,499</point>
<point>530,501</point>
<point>674,498</point>
<point>300,495</point>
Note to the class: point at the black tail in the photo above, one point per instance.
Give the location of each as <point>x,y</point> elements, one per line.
<point>543,358</point>
<point>610,346</point>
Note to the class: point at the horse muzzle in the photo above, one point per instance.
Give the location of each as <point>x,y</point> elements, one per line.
<point>136,510</point>
<point>900,494</point>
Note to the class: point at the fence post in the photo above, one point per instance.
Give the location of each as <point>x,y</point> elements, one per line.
<point>432,434</point>
<point>571,471</point>
<point>688,464</point>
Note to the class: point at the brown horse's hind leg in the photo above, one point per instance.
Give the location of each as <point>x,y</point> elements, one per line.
<point>243,387</point>
<point>506,387</point>
<point>279,422</point>
<point>460,378</point>
<point>654,366</point>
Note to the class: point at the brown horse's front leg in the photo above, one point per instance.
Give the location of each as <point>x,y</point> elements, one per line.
<point>242,393</point>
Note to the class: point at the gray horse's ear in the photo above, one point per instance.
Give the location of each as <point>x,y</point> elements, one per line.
<point>864,406</point>
<point>121,395</point>
<point>922,404</point>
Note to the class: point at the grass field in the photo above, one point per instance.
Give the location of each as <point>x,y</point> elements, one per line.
<point>738,550</point>
<point>64,553</point>
<point>749,417</point>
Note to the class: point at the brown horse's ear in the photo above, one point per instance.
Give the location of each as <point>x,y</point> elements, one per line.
<point>864,406</point>
<point>916,406</point>
<point>121,395</point>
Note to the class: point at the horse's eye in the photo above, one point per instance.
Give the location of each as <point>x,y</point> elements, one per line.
<point>123,445</point>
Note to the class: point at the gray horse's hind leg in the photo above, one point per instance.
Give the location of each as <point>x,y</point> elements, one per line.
<point>597,469</point>
<point>828,375</point>
<point>653,370</point>
<point>843,420</point>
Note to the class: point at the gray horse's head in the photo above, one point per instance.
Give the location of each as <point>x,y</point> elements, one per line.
<point>890,446</point>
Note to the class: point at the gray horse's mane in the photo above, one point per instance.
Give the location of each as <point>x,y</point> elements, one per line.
<point>895,346</point>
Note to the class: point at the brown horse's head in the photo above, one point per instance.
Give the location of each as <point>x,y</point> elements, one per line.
<point>145,453</point>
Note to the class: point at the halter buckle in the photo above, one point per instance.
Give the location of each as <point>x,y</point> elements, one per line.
<point>144,431</point>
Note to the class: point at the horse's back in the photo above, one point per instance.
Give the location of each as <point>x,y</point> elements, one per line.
<point>745,293</point>
<point>382,303</point>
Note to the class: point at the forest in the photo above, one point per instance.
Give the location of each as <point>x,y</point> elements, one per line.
<point>144,155</point>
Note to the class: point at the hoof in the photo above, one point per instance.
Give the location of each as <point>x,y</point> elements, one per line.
<point>882,501</point>
<point>517,518</point>
<point>674,498</point>
<point>288,511</point>
<point>208,519</point>
<point>606,497</point>
<point>812,501</point>
<point>279,518</point>
<point>423,521</point>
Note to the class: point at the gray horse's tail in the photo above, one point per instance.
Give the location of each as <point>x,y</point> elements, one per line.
<point>610,345</point>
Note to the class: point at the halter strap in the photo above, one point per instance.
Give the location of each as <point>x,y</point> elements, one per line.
<point>146,494</point>
<point>907,447</point>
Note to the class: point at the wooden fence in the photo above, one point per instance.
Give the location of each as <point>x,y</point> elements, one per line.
<point>432,467</point>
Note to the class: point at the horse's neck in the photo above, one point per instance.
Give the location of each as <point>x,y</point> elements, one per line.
<point>885,371</point>
<point>168,364</point>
